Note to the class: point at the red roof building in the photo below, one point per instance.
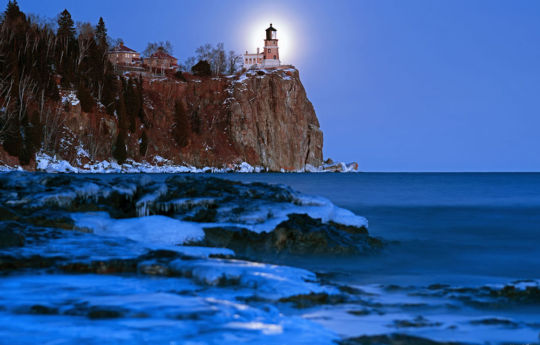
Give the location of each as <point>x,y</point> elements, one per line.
<point>161,61</point>
<point>122,55</point>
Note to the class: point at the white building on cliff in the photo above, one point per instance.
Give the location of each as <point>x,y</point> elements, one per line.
<point>269,57</point>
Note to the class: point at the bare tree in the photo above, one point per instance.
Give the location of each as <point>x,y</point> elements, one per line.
<point>52,121</point>
<point>86,39</point>
<point>26,91</point>
<point>233,62</point>
<point>220,62</point>
<point>15,110</point>
<point>219,59</point>
<point>204,52</point>
<point>152,47</point>
<point>190,62</point>
<point>42,22</point>
<point>7,112</point>
<point>93,140</point>
<point>114,42</point>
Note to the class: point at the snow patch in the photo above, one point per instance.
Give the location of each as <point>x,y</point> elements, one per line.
<point>71,98</point>
<point>265,217</point>
<point>153,230</point>
<point>160,165</point>
<point>269,281</point>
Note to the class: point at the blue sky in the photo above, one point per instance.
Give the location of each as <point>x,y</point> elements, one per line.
<point>417,85</point>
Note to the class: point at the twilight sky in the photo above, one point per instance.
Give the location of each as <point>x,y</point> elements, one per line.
<point>417,85</point>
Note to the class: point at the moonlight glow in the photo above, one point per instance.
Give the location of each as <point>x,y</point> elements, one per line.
<point>285,35</point>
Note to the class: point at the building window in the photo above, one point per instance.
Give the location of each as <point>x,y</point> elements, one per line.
<point>274,57</point>
<point>269,50</point>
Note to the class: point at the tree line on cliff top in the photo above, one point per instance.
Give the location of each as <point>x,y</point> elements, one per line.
<point>40,60</point>
<point>208,59</point>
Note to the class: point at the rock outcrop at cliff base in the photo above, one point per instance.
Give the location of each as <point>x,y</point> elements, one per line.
<point>261,117</point>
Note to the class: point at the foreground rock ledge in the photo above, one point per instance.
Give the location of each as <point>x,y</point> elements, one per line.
<point>300,235</point>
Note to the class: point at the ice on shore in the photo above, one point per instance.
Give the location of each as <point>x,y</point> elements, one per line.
<point>53,164</point>
<point>153,230</point>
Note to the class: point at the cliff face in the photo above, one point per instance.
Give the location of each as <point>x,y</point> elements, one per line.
<point>271,115</point>
<point>260,117</point>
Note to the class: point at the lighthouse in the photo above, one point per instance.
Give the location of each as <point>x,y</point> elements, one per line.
<point>269,57</point>
<point>271,48</point>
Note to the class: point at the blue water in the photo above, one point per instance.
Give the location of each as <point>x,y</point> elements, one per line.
<point>462,230</point>
<point>449,225</point>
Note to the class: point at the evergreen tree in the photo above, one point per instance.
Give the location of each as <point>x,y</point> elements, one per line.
<point>101,34</point>
<point>181,126</point>
<point>67,49</point>
<point>66,27</point>
<point>13,12</point>
<point>202,69</point>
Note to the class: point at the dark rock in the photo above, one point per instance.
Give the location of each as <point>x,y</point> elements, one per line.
<point>10,263</point>
<point>391,339</point>
<point>163,254</point>
<point>11,235</point>
<point>203,215</point>
<point>350,290</point>
<point>495,322</point>
<point>98,312</point>
<point>199,315</point>
<point>7,214</point>
<point>361,312</point>
<point>46,218</point>
<point>95,312</point>
<point>113,266</point>
<point>349,228</point>
<point>529,295</point>
<point>418,322</point>
<point>313,299</point>
<point>43,310</point>
<point>300,235</point>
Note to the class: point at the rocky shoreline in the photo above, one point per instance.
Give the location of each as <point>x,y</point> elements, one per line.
<point>48,164</point>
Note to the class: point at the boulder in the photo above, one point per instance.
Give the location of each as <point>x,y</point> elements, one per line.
<point>299,235</point>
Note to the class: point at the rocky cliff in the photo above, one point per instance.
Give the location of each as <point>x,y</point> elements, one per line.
<point>261,117</point>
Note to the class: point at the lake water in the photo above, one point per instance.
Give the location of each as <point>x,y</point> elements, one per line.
<point>460,229</point>
<point>461,263</point>
<point>479,227</point>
